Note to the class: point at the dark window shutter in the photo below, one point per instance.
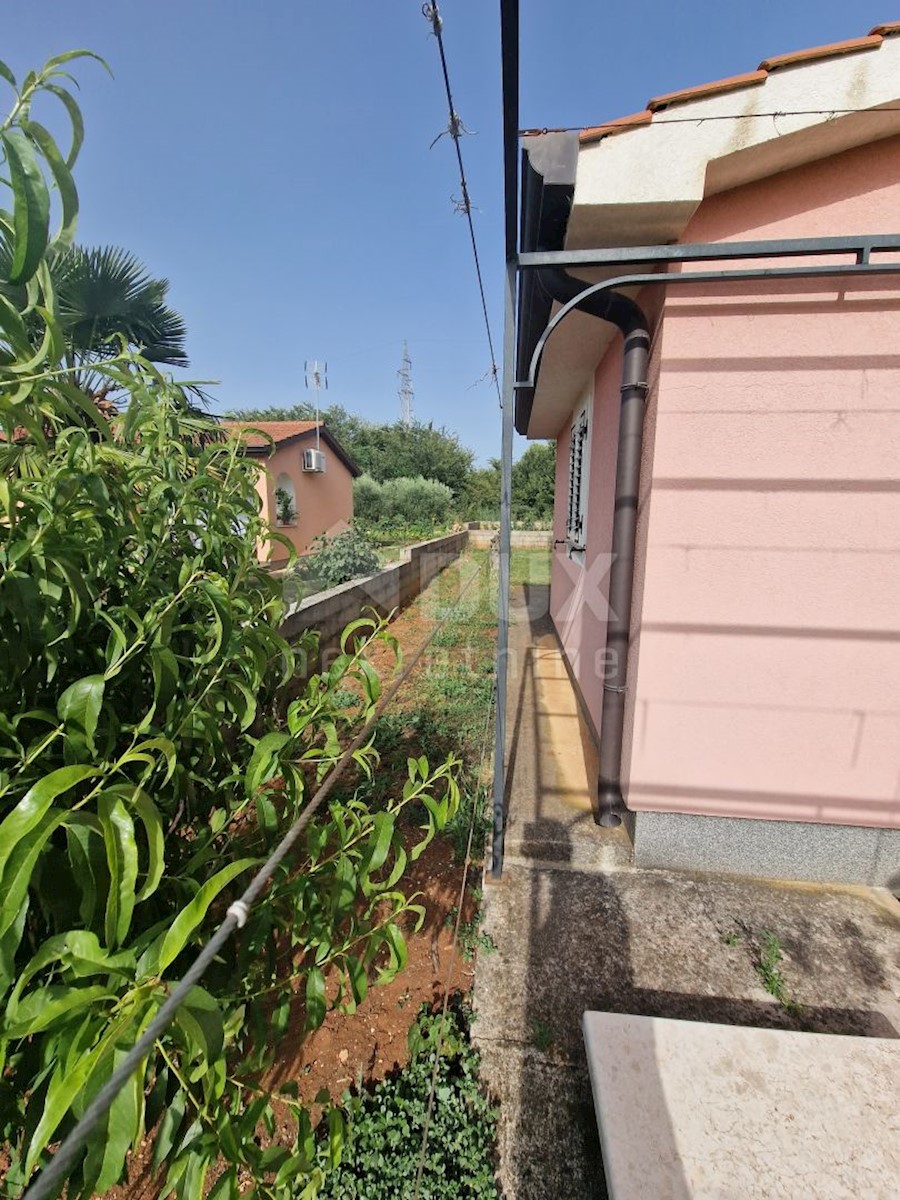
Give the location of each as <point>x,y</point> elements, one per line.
<point>577,498</point>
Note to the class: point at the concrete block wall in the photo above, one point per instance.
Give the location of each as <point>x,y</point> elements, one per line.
<point>520,539</point>
<point>395,587</point>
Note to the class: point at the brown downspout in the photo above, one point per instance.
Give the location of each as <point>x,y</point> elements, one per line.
<point>629,318</point>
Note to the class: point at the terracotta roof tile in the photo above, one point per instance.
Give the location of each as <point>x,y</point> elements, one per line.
<point>619,125</point>
<point>732,83</point>
<point>872,42</point>
<point>278,431</point>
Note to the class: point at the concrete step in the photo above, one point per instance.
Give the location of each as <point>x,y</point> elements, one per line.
<point>547,1134</point>
<point>581,855</point>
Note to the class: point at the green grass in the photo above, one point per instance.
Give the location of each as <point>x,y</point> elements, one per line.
<point>457,828</point>
<point>446,704</point>
<point>446,701</point>
<point>529,566</point>
<point>390,554</point>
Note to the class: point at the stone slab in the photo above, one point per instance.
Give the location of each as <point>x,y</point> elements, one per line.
<point>715,1112</point>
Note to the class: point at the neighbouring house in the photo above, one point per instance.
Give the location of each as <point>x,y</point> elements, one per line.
<point>726,573</point>
<point>305,481</point>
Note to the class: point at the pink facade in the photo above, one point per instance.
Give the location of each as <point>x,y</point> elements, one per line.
<point>764,675</point>
<point>324,502</point>
<point>300,505</point>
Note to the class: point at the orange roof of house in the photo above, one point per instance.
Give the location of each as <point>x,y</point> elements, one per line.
<point>282,432</point>
<point>734,82</point>
<point>278,431</point>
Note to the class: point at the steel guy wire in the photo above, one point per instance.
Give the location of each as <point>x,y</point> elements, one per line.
<point>48,1182</point>
<point>618,126</point>
<point>455,128</point>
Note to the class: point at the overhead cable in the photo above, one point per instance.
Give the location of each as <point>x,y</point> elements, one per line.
<point>456,129</point>
<point>624,123</point>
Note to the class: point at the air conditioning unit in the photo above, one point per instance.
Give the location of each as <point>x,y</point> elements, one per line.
<point>314,460</point>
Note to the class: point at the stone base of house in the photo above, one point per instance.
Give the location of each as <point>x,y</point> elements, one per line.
<point>768,849</point>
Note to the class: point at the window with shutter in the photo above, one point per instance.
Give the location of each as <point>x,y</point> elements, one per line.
<point>579,457</point>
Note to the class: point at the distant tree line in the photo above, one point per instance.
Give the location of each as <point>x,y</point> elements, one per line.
<point>533,479</point>
<point>394,451</point>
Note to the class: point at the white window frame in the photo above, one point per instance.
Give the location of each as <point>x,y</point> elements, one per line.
<point>579,482</point>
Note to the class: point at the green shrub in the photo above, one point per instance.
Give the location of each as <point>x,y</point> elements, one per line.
<point>338,560</point>
<point>366,499</point>
<point>150,762</point>
<point>404,501</point>
<point>416,499</point>
<point>384,1126</point>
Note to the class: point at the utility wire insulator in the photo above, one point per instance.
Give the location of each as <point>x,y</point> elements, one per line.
<point>430,13</point>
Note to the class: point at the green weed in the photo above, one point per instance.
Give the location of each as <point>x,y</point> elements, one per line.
<point>457,829</point>
<point>471,938</point>
<point>768,954</point>
<point>542,1035</point>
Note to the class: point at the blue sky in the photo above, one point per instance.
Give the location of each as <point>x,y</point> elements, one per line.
<point>273,162</point>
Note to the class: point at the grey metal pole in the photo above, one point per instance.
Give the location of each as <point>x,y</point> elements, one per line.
<point>509,368</point>
<point>509,43</point>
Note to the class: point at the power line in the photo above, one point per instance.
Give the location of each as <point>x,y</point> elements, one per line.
<point>455,128</point>
<point>48,1182</point>
<point>618,126</point>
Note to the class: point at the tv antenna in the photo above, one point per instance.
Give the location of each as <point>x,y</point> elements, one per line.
<point>405,391</point>
<point>316,378</point>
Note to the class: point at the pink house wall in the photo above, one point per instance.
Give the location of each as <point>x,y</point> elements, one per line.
<point>324,502</point>
<point>766,634</point>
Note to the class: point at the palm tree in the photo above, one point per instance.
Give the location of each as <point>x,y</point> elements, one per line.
<point>105,294</point>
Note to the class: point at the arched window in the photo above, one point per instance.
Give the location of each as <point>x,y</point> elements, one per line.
<point>285,501</point>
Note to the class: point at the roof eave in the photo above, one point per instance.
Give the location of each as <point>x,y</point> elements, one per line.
<point>549,163</point>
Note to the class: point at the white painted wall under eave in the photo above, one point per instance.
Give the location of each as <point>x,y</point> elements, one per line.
<point>643,186</point>
<point>651,179</point>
